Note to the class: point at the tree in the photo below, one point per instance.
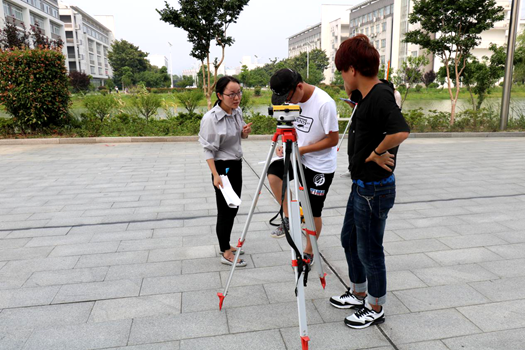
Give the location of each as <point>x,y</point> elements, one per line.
<point>311,66</point>
<point>244,76</point>
<point>124,54</point>
<point>458,25</point>
<point>519,59</point>
<point>410,74</point>
<point>205,21</point>
<point>186,80</point>
<point>429,77</point>
<point>154,77</point>
<point>79,81</point>
<point>12,38</point>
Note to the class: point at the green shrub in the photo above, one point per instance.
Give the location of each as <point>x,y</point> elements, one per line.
<point>34,87</point>
<point>257,91</point>
<point>190,99</point>
<point>146,104</point>
<point>416,119</point>
<point>246,102</point>
<point>418,88</point>
<point>7,126</point>
<point>433,85</point>
<point>262,124</point>
<point>101,106</point>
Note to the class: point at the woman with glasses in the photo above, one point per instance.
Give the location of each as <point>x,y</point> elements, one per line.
<point>220,134</point>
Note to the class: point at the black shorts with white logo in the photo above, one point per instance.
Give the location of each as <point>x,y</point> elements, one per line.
<point>317,184</point>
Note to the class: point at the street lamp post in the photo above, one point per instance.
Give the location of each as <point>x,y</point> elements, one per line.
<point>171,66</point>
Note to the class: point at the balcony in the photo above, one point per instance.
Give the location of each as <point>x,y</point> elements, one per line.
<point>70,40</point>
<point>55,36</point>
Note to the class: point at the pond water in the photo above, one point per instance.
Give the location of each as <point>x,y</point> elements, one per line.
<point>517,107</point>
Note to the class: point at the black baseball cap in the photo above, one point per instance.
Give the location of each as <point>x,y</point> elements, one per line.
<point>282,82</point>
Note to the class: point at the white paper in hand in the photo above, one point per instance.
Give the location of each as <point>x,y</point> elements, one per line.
<point>229,194</point>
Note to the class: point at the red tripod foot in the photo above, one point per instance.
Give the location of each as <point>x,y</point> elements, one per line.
<point>221,299</point>
<point>304,342</point>
<point>323,280</point>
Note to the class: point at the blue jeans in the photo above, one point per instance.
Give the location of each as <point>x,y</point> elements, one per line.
<point>362,237</point>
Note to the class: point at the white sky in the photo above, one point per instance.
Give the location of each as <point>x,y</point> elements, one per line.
<point>261,30</point>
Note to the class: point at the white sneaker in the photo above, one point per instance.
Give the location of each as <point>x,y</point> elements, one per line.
<point>279,231</point>
<point>365,317</point>
<point>347,301</point>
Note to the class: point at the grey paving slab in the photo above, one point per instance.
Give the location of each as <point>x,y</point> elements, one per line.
<point>132,271</point>
<point>110,259</point>
<point>13,243</point>
<point>182,283</point>
<point>85,248</point>
<point>128,308</point>
<point>427,232</point>
<point>505,268</point>
<point>71,276</point>
<point>335,336</point>
<point>84,336</point>
<point>25,253</point>
<point>502,289</point>
<point>408,262</point>
<point>150,244</point>
<point>99,228</point>
<point>59,240</point>
<point>96,291</point>
<point>44,316</point>
<point>440,297</point>
<point>415,246</point>
<point>251,340</point>
<point>509,251</point>
<point>172,345</point>
<point>27,297</point>
<point>510,339</point>
<point>40,232</point>
<point>14,340</point>
<point>399,280</point>
<point>176,327</point>
<point>122,236</point>
<point>427,345</point>
<point>182,253</point>
<point>429,325</point>
<point>456,274</point>
<point>269,317</point>
<point>202,300</point>
<point>497,316</point>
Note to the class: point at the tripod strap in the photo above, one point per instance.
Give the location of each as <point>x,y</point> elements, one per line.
<point>302,266</point>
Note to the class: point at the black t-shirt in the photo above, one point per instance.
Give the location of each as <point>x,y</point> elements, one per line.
<point>377,115</point>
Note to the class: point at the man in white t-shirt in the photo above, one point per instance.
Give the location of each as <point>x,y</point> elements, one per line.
<point>317,137</point>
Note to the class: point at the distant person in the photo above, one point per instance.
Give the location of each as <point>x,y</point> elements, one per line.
<point>116,89</point>
<point>317,137</point>
<point>377,130</point>
<point>220,135</point>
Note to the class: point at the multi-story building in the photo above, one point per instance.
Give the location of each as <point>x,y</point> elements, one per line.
<point>305,40</point>
<point>326,36</point>
<point>88,43</point>
<point>373,18</point>
<point>31,12</point>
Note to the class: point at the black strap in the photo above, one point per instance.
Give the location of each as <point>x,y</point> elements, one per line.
<point>302,266</point>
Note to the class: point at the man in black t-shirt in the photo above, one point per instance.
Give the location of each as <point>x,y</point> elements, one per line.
<point>377,130</point>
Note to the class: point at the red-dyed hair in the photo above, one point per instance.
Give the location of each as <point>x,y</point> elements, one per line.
<point>359,53</point>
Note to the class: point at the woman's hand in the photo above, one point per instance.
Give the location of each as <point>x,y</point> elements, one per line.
<point>217,182</point>
<point>246,130</point>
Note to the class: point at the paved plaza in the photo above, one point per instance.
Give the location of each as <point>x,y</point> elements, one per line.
<point>113,246</point>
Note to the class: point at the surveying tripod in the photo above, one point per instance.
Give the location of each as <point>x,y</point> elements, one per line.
<point>294,195</point>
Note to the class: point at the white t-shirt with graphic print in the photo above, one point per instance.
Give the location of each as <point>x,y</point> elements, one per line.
<point>318,118</point>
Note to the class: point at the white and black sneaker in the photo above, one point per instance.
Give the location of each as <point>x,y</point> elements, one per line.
<point>347,301</point>
<point>365,317</point>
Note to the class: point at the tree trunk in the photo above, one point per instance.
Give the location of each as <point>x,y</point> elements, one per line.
<point>208,87</point>
<point>471,97</point>
<point>453,111</point>
<point>452,101</point>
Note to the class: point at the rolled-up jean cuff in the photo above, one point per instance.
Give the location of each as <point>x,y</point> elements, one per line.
<point>358,287</point>
<point>376,301</point>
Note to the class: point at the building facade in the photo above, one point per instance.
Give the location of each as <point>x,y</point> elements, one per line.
<point>44,13</point>
<point>304,41</point>
<point>88,44</point>
<point>373,18</point>
<point>338,33</point>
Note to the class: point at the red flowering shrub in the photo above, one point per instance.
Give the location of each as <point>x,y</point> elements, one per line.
<point>34,87</point>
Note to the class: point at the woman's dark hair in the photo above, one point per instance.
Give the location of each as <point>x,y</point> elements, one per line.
<point>221,85</point>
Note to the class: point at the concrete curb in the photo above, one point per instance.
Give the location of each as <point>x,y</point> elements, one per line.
<point>84,140</point>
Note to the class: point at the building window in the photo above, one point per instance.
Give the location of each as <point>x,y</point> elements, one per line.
<point>381,12</point>
<point>384,26</point>
<point>377,28</point>
<point>100,70</point>
<point>92,69</point>
<point>383,43</point>
<point>370,16</point>
<point>375,13</point>
<point>382,60</point>
<point>366,31</point>
<point>55,29</point>
<point>13,11</point>
<point>35,20</point>
<point>377,44</point>
<point>387,10</point>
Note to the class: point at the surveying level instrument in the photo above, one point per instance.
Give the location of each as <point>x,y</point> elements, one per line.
<point>295,193</point>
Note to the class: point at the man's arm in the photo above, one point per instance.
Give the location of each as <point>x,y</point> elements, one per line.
<point>330,140</point>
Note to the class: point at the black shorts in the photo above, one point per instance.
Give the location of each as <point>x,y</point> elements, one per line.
<point>316,183</point>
